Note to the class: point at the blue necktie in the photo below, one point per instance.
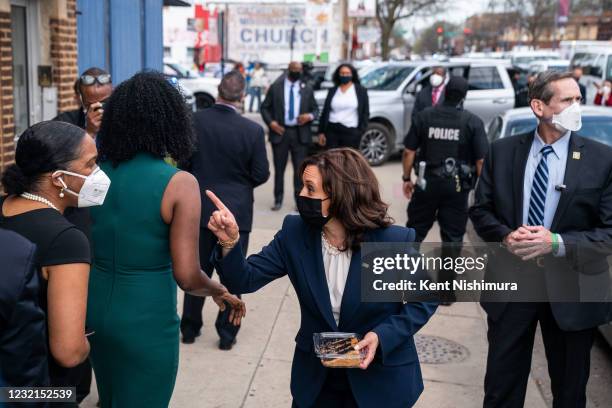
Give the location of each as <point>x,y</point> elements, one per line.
<point>537,200</point>
<point>291,104</point>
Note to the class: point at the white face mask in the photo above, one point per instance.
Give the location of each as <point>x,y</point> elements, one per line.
<point>569,119</point>
<point>436,80</point>
<point>94,188</point>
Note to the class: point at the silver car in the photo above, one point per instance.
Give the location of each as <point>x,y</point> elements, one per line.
<point>392,88</point>
<point>596,123</point>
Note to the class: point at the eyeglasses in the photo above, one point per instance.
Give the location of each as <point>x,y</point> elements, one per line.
<point>102,79</point>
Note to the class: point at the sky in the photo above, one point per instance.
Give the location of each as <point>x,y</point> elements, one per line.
<point>457,12</point>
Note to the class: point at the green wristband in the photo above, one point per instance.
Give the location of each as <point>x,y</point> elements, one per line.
<point>555,243</point>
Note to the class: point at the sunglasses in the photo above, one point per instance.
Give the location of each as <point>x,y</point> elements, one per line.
<point>100,79</point>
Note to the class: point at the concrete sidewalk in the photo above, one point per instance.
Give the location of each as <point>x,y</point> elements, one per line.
<point>256,372</point>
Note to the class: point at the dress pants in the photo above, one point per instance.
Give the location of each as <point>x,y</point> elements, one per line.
<point>509,361</point>
<point>338,135</point>
<point>191,321</point>
<point>290,142</point>
<point>336,391</point>
<point>440,201</point>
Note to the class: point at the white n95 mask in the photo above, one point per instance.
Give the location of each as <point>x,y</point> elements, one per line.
<point>436,80</point>
<point>94,188</point>
<point>569,119</point>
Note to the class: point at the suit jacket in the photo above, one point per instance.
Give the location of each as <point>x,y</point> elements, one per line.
<point>273,109</point>
<point>583,216</point>
<point>230,160</point>
<point>394,377</point>
<point>363,108</point>
<point>23,342</point>
<point>424,100</point>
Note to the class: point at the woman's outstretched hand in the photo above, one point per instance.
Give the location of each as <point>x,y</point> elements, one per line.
<point>222,222</point>
<point>238,306</point>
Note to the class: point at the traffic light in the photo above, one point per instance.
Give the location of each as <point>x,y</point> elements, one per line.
<point>440,30</point>
<point>467,31</point>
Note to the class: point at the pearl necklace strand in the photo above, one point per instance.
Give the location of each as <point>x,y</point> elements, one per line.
<point>34,197</point>
<point>328,245</point>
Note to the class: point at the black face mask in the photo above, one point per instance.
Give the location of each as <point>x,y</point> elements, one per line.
<point>345,79</point>
<point>311,212</point>
<point>294,76</point>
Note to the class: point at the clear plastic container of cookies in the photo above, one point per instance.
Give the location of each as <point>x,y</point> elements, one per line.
<point>337,349</point>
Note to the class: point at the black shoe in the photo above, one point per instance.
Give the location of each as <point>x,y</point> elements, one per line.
<point>189,338</point>
<point>226,345</point>
<point>277,206</point>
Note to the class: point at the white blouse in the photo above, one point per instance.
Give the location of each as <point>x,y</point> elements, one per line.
<point>344,106</point>
<point>336,264</point>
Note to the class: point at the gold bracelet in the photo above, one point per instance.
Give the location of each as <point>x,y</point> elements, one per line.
<point>230,243</point>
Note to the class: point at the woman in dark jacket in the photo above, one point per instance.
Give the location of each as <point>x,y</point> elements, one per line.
<point>320,250</point>
<point>346,110</point>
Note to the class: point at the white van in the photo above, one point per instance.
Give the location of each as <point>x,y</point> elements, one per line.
<point>596,62</point>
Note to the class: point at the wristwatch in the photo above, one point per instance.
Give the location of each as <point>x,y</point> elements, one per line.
<point>405,178</point>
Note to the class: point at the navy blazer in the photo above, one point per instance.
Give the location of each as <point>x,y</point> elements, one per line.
<point>230,160</point>
<point>23,340</point>
<point>583,216</point>
<point>393,379</point>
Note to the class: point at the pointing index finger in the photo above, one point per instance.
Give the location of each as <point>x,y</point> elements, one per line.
<point>215,200</point>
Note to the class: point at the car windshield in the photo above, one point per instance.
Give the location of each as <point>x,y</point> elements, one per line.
<point>594,127</point>
<point>182,71</point>
<point>386,78</point>
<point>531,58</point>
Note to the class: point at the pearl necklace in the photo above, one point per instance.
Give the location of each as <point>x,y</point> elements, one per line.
<point>34,197</point>
<point>328,245</point>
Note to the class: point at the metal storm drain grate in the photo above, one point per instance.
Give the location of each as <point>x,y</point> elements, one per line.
<point>438,350</point>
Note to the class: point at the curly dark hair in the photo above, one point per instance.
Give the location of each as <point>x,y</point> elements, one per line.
<point>354,192</point>
<point>146,114</point>
<point>336,75</point>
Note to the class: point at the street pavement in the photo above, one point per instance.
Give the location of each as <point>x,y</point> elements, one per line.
<point>256,372</point>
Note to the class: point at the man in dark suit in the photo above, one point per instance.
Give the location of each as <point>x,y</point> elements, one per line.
<point>230,160</point>
<point>547,195</point>
<point>288,109</point>
<point>432,94</point>
<point>577,73</point>
<point>23,343</point>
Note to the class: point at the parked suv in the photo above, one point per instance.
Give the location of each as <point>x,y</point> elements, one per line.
<point>204,89</point>
<point>392,88</point>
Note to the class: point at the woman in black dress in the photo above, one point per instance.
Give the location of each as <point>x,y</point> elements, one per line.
<point>56,168</point>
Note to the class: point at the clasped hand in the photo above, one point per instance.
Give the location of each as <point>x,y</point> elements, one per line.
<point>529,242</point>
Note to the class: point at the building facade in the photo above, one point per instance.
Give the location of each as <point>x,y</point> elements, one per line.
<point>45,44</point>
<point>38,65</point>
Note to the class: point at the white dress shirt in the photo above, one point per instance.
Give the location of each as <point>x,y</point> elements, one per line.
<point>344,108</point>
<point>297,99</point>
<point>336,264</point>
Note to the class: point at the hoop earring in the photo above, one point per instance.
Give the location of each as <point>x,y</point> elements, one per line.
<point>61,194</point>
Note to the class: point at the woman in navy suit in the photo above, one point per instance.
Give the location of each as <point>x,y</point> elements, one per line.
<point>340,207</point>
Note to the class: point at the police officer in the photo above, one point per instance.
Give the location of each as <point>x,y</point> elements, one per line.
<point>451,144</point>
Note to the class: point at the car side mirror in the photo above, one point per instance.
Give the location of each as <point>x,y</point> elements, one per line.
<point>413,88</point>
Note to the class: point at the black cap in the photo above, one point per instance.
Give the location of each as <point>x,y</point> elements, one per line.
<point>456,89</point>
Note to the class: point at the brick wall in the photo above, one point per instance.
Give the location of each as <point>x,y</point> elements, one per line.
<point>7,125</point>
<point>64,56</point>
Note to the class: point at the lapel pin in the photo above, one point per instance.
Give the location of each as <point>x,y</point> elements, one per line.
<point>576,155</point>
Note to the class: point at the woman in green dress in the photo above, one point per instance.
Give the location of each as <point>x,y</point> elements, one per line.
<point>145,240</point>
